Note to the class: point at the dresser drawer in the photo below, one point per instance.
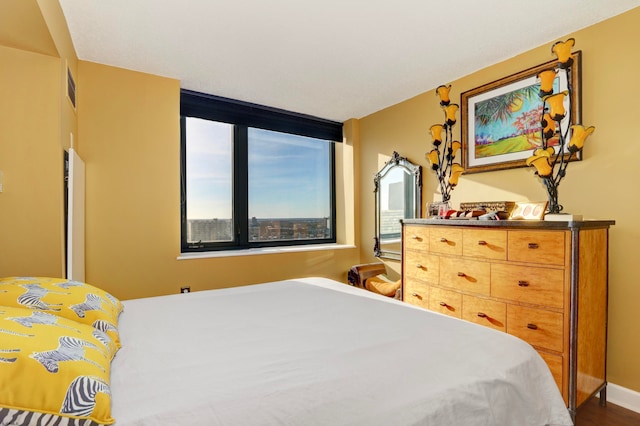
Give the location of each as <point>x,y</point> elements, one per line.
<point>544,247</point>
<point>416,238</point>
<point>421,266</point>
<point>416,293</point>
<point>445,301</point>
<point>538,327</point>
<point>484,243</point>
<point>484,312</point>
<point>465,275</point>
<point>554,362</point>
<point>537,286</point>
<point>443,240</point>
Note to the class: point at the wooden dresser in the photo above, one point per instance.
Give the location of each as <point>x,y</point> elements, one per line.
<point>544,282</point>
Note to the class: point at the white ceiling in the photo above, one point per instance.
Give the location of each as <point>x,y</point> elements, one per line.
<point>335,59</point>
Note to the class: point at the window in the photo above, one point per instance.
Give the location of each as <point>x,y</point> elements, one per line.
<point>254,176</point>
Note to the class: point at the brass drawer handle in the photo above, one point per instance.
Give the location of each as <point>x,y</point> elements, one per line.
<point>482,243</point>
<point>443,240</point>
<point>533,245</point>
<point>523,283</point>
<point>443,304</point>
<point>415,237</point>
<point>414,294</point>
<point>482,315</point>
<point>419,266</point>
<point>532,326</point>
<point>462,274</point>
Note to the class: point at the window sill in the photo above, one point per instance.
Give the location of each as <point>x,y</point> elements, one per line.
<point>263,250</point>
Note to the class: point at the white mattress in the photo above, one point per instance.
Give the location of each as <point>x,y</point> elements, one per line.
<point>316,352</point>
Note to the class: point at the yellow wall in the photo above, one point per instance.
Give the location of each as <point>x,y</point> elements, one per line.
<point>130,138</point>
<point>57,27</point>
<point>31,161</point>
<point>35,121</point>
<point>603,186</point>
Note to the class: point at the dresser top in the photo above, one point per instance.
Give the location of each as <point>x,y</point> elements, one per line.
<point>530,224</point>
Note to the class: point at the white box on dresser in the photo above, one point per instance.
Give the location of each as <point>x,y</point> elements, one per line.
<point>544,282</point>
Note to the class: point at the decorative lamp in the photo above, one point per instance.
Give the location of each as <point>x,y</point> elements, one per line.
<point>450,113</point>
<point>442,160</point>
<point>456,171</point>
<point>443,93</point>
<point>557,148</point>
<point>433,158</point>
<point>455,146</point>
<point>547,78</point>
<point>541,160</point>
<point>562,50</point>
<point>580,133</point>
<point>436,134</point>
<point>556,105</point>
<point>548,126</point>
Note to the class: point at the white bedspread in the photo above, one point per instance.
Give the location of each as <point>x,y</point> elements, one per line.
<point>316,352</point>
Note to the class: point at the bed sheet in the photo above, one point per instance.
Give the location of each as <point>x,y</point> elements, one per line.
<point>314,351</point>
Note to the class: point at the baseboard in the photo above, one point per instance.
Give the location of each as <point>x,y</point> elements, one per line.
<point>623,397</point>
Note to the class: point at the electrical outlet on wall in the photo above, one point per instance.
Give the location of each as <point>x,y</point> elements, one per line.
<point>185,289</point>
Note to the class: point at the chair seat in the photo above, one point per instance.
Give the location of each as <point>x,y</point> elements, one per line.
<point>382,286</point>
<point>358,274</point>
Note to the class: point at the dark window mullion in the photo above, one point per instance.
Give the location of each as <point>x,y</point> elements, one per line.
<point>332,200</point>
<point>241,185</point>
<point>183,182</point>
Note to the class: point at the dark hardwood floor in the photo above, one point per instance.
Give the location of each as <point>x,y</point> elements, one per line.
<point>592,414</point>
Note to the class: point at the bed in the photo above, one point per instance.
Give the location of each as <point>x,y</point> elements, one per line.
<point>308,351</point>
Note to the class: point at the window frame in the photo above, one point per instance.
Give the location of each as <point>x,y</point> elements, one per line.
<point>242,116</point>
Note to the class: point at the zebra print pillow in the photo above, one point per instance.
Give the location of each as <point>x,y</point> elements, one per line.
<point>53,370</point>
<point>69,299</point>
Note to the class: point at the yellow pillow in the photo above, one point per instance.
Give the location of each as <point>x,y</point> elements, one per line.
<point>69,299</point>
<point>52,369</point>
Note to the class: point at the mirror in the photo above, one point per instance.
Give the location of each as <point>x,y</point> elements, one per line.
<point>398,189</point>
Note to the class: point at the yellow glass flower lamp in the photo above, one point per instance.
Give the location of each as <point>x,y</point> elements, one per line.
<point>450,113</point>
<point>548,126</point>
<point>556,104</point>
<point>546,77</point>
<point>436,134</point>
<point>562,49</point>
<point>443,93</point>
<point>578,136</point>
<point>433,158</point>
<point>456,171</point>
<point>455,147</point>
<point>541,160</point>
<point>442,160</point>
<point>557,123</point>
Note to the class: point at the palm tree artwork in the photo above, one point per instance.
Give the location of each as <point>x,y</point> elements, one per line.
<point>508,123</point>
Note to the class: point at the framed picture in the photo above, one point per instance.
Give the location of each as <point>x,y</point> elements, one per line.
<point>501,120</point>
<point>529,211</point>
<point>438,209</point>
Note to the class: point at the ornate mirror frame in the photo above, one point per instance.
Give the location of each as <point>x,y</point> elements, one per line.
<point>406,180</point>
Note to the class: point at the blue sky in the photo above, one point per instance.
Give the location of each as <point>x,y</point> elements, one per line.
<point>288,174</point>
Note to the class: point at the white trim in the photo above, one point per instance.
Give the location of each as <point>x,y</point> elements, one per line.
<point>264,250</point>
<point>625,398</point>
<point>76,216</point>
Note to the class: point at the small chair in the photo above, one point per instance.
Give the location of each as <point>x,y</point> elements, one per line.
<point>371,276</point>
